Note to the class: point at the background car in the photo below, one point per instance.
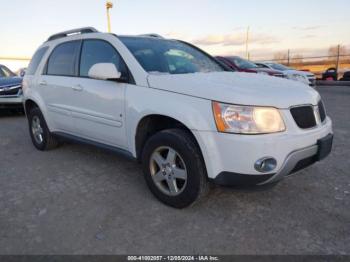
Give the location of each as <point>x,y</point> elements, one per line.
<point>290,73</point>
<point>10,89</point>
<point>21,72</point>
<point>242,65</point>
<point>346,76</point>
<point>330,74</point>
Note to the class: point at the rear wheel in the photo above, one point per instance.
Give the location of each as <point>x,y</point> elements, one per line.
<point>39,132</point>
<point>174,169</point>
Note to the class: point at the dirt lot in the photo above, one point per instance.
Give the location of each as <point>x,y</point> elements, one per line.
<point>82,200</point>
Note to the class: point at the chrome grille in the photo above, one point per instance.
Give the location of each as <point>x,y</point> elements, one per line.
<point>10,90</point>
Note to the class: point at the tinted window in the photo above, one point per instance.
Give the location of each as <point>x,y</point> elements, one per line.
<point>242,63</point>
<point>34,63</point>
<point>5,72</point>
<point>97,51</point>
<point>262,65</point>
<point>279,67</point>
<point>170,56</point>
<point>63,59</point>
<point>2,73</point>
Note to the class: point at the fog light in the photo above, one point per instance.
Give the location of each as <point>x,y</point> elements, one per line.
<point>266,164</point>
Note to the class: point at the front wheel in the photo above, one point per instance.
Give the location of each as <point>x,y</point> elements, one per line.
<point>174,169</point>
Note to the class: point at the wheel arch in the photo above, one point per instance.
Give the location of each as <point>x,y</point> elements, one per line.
<point>29,104</point>
<point>153,123</point>
<point>34,101</point>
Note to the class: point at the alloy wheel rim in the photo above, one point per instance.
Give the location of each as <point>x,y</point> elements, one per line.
<point>37,130</point>
<point>168,171</point>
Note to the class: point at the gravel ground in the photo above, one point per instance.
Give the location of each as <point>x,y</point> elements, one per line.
<point>81,200</point>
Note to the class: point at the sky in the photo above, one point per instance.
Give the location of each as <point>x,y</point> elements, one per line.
<point>307,27</point>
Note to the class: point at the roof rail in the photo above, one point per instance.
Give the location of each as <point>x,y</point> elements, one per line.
<point>152,35</point>
<point>83,30</point>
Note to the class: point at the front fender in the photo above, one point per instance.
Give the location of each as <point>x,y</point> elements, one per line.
<point>193,112</point>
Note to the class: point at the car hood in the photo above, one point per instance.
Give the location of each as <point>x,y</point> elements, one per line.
<point>10,81</point>
<point>238,88</point>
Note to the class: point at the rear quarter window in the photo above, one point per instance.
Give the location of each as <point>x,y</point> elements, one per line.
<point>35,61</point>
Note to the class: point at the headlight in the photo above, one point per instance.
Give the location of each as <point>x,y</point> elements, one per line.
<point>247,119</point>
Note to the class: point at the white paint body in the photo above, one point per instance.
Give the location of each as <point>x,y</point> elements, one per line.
<point>109,112</point>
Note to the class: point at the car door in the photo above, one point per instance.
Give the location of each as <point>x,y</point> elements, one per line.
<point>99,104</point>
<point>57,84</point>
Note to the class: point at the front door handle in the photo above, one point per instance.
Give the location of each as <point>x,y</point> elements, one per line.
<point>77,88</point>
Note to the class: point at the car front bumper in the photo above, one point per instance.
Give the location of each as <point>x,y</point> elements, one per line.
<point>230,159</point>
<point>11,101</point>
<point>295,162</point>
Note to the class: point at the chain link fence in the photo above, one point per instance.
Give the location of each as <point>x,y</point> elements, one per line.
<point>338,61</point>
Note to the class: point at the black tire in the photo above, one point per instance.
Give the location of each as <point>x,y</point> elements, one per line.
<point>49,141</point>
<point>182,142</point>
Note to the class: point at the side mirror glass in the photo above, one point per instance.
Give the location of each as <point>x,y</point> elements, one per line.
<point>104,71</point>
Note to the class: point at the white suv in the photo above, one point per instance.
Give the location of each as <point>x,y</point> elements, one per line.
<point>175,109</point>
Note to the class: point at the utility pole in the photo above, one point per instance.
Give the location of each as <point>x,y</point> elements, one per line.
<point>247,44</point>
<point>338,58</point>
<point>109,5</point>
<point>288,57</point>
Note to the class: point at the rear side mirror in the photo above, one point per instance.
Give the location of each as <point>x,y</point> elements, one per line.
<point>104,71</point>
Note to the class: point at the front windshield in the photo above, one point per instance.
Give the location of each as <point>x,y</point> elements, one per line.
<point>169,56</point>
<point>262,65</point>
<point>242,63</point>
<point>279,67</point>
<point>5,72</point>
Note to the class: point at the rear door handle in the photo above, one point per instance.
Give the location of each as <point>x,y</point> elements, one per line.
<point>43,83</point>
<point>77,88</point>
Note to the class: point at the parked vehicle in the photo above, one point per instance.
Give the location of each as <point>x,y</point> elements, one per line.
<point>346,76</point>
<point>175,109</point>
<point>10,89</point>
<point>21,72</point>
<point>242,65</point>
<point>290,73</point>
<point>330,74</point>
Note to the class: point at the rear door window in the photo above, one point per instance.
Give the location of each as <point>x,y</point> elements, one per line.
<point>63,59</point>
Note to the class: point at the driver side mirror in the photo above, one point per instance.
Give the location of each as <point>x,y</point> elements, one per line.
<point>104,71</point>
